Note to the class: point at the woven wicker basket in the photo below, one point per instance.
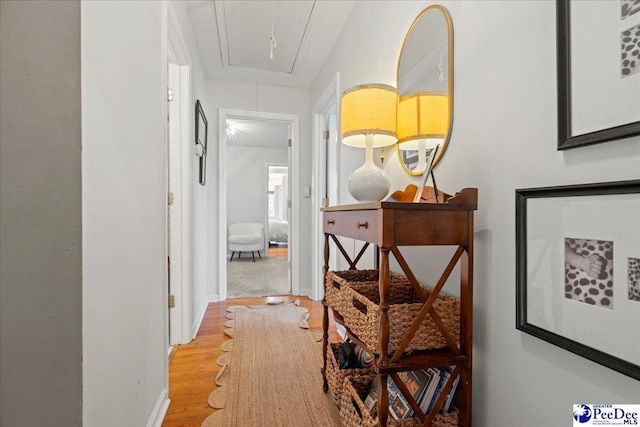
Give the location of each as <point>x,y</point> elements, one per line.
<point>354,413</point>
<point>335,281</point>
<point>354,294</point>
<point>365,282</point>
<point>335,375</point>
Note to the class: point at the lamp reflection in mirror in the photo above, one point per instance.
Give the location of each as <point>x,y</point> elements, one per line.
<point>369,120</point>
<point>423,119</point>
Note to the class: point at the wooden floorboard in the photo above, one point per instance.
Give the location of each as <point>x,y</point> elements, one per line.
<point>278,251</point>
<point>193,368</point>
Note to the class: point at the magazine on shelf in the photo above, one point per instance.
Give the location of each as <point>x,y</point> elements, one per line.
<point>447,404</point>
<point>424,385</point>
<point>398,405</point>
<point>371,401</point>
<point>416,382</point>
<point>435,388</point>
<point>444,377</point>
<point>434,374</point>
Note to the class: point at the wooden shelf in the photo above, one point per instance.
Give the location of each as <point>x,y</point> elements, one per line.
<point>422,359</point>
<point>416,360</point>
<point>390,225</point>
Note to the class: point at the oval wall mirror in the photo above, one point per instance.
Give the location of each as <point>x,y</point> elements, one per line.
<point>425,86</point>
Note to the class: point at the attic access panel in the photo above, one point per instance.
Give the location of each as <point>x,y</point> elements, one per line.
<point>245,32</point>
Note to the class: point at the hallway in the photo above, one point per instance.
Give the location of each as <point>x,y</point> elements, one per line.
<point>193,368</point>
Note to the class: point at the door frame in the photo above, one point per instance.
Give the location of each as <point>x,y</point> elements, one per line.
<point>294,175</point>
<point>266,214</point>
<point>267,166</point>
<point>180,251</point>
<point>330,96</point>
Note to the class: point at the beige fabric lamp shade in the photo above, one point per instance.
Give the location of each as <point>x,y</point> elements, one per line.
<point>369,110</point>
<point>369,117</point>
<point>423,115</point>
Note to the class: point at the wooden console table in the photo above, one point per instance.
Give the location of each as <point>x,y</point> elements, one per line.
<point>391,225</point>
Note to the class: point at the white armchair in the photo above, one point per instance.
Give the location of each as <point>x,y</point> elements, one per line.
<point>246,236</point>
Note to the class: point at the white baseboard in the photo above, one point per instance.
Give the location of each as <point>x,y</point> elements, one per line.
<point>198,320</point>
<point>305,292</point>
<point>214,298</point>
<point>159,410</point>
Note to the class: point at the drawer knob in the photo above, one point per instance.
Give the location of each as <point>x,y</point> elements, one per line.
<point>362,224</point>
<point>331,221</point>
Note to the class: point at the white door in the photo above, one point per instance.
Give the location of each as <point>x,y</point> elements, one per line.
<point>330,137</point>
<point>326,177</point>
<point>178,200</point>
<point>289,215</point>
<point>173,214</point>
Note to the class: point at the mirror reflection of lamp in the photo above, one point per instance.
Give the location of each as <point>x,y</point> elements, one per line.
<point>422,124</point>
<point>368,120</point>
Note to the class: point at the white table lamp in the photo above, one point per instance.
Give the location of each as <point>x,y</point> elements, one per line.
<point>368,120</point>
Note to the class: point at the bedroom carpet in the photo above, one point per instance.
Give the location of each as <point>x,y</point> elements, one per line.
<point>265,277</point>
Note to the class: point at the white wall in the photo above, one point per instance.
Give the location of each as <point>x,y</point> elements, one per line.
<point>504,138</point>
<point>247,182</point>
<point>125,337</point>
<point>40,215</point>
<point>268,99</point>
<point>199,219</point>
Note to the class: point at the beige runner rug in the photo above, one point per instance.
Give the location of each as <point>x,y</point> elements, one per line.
<point>273,376</point>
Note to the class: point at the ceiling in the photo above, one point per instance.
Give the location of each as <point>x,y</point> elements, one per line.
<point>233,37</point>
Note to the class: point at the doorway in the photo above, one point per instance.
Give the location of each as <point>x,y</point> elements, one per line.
<point>257,195</point>
<point>245,154</point>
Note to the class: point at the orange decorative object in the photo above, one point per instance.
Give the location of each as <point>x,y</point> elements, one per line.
<point>428,195</point>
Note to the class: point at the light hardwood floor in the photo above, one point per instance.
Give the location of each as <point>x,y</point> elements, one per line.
<point>279,251</point>
<point>193,368</point>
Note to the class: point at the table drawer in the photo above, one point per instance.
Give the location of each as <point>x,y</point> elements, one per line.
<point>360,225</point>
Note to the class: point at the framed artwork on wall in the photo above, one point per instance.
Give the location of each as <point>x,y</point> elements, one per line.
<point>578,270</point>
<point>598,60</point>
<point>425,176</point>
<point>201,142</point>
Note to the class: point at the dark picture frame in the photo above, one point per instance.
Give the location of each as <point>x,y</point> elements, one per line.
<point>566,139</point>
<point>428,170</point>
<point>543,310</point>
<point>201,139</point>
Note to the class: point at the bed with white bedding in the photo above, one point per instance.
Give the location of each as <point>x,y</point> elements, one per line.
<point>278,231</point>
